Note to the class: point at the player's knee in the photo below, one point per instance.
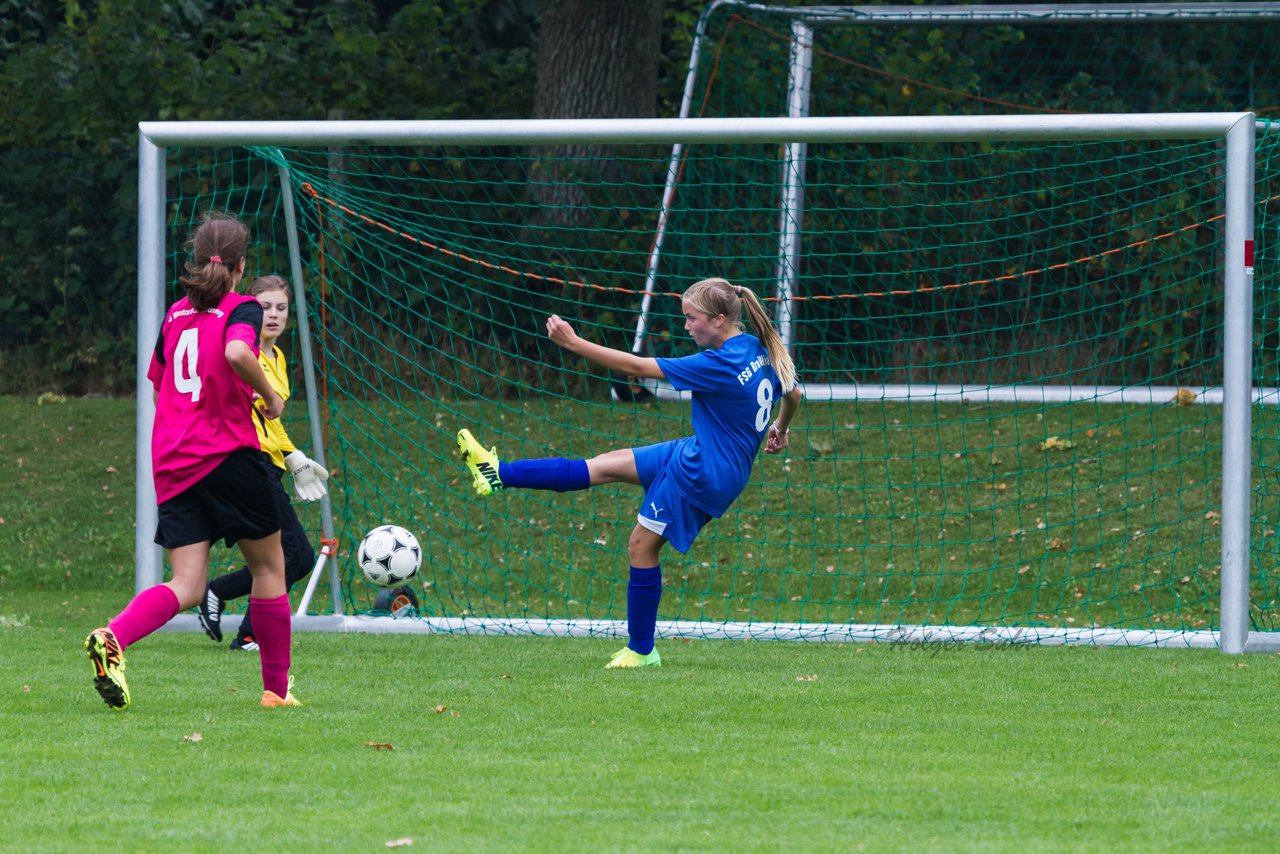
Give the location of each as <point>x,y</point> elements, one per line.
<point>643,547</point>
<point>298,555</point>
<point>297,563</point>
<point>188,592</point>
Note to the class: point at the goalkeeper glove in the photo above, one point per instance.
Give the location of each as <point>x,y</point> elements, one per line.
<point>308,476</point>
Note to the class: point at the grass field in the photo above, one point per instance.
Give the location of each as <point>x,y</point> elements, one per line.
<point>528,745</point>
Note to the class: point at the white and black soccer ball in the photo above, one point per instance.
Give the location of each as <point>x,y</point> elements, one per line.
<point>389,556</point>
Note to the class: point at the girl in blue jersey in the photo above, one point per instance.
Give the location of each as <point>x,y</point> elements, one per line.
<point>734,383</point>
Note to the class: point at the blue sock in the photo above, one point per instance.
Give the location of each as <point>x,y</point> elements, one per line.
<point>555,473</point>
<point>644,591</point>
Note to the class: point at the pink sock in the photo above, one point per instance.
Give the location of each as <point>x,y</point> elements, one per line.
<point>148,611</point>
<point>273,630</point>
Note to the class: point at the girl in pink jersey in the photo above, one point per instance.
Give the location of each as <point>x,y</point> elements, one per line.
<point>211,483</point>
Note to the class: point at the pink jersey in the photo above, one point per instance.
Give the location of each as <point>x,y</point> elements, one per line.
<point>204,410</point>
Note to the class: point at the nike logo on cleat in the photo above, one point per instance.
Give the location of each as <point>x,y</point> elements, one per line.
<point>490,474</point>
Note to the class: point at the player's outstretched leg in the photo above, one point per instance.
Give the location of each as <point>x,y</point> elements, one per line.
<point>108,668</point>
<point>483,464</point>
<point>628,657</point>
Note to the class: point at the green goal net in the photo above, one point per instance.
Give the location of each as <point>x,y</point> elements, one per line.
<point>1012,350</point>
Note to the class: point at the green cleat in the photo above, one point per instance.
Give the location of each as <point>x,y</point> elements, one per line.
<point>108,668</point>
<point>628,657</point>
<point>483,464</point>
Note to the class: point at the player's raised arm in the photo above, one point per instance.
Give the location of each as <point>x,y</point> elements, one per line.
<point>563,335</point>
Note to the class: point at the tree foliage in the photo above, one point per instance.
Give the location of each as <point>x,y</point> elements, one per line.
<point>79,76</point>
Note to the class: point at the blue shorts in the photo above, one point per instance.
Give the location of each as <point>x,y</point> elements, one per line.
<point>665,509</point>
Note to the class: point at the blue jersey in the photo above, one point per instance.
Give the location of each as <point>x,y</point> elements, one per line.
<point>734,388</point>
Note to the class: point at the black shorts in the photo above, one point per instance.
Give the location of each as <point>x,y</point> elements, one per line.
<point>235,501</point>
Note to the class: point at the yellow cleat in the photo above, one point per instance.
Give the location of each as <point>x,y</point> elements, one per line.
<point>108,668</point>
<point>483,464</point>
<point>628,657</point>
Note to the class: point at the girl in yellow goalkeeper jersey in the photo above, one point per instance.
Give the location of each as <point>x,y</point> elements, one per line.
<point>272,293</point>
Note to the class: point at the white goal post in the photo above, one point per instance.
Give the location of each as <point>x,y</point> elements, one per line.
<point>1235,129</point>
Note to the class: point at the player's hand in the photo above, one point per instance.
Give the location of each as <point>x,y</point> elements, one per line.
<point>775,440</point>
<point>560,332</point>
<point>308,476</point>
<point>273,408</point>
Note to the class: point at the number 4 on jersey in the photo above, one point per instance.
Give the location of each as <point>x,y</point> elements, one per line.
<point>186,378</point>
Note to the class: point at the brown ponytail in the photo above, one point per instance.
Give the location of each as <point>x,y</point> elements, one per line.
<point>216,249</point>
<point>262,284</point>
<point>717,296</point>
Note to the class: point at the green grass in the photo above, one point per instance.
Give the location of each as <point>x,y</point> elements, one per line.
<point>67,506</point>
<point>729,746</point>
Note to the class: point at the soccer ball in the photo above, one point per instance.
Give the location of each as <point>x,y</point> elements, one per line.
<point>389,556</point>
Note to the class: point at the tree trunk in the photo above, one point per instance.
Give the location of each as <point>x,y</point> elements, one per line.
<point>596,59</point>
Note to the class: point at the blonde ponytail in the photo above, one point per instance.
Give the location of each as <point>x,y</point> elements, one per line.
<point>783,365</point>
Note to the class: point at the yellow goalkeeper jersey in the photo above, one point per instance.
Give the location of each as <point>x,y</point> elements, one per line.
<point>272,436</point>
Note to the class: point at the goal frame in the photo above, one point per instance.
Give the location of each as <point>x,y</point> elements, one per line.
<point>1236,130</point>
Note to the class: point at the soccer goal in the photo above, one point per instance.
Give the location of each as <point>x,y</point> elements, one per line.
<point>1110,257</point>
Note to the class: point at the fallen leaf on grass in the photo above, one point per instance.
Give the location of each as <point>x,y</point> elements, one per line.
<point>1055,443</point>
<point>808,677</point>
<point>398,843</point>
<point>822,444</point>
<point>379,745</point>
<point>193,738</point>
<point>440,710</point>
<point>1184,397</point>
